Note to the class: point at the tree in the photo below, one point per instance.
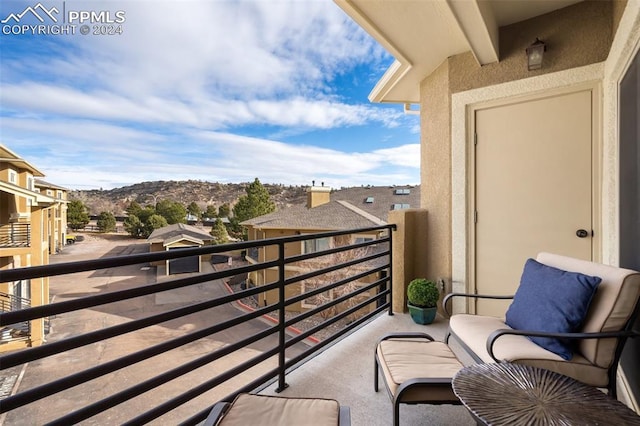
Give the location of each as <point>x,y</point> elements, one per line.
<point>219,232</point>
<point>194,209</point>
<point>134,226</point>
<point>256,202</point>
<point>224,210</point>
<point>77,215</point>
<point>133,209</point>
<point>211,212</point>
<point>172,211</point>
<point>154,222</point>
<point>106,222</point>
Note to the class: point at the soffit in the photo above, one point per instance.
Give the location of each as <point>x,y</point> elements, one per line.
<point>421,34</point>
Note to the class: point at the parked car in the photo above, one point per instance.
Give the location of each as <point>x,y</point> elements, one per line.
<point>71,239</point>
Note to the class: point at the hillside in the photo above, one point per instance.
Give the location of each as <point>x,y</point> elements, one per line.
<point>203,193</point>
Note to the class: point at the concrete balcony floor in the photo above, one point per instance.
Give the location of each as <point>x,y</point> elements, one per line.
<point>345,372</point>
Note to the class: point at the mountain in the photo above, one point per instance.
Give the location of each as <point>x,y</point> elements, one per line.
<point>203,193</point>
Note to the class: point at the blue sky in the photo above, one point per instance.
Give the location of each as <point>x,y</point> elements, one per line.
<point>218,91</point>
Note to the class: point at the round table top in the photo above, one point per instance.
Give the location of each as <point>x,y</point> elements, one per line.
<point>514,394</point>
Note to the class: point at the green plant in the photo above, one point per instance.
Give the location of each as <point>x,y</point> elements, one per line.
<point>423,293</point>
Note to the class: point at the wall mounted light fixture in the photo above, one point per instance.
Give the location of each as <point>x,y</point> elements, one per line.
<point>535,52</point>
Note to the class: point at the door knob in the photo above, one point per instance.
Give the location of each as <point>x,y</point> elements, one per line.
<point>582,233</point>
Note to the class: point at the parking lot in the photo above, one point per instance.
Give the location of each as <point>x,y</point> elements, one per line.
<point>78,322</point>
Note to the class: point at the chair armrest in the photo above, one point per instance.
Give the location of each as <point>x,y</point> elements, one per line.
<point>406,335</point>
<point>345,416</point>
<point>475,296</point>
<point>576,336</point>
<point>216,413</point>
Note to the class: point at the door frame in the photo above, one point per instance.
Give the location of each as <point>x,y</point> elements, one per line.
<point>463,108</point>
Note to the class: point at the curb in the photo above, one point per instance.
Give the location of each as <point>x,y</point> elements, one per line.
<point>268,317</point>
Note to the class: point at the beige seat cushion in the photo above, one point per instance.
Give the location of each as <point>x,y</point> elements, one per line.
<point>262,410</point>
<point>474,330</point>
<point>403,359</point>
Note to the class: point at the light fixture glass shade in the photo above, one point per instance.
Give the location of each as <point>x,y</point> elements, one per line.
<point>535,53</point>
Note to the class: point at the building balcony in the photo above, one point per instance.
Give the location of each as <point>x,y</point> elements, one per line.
<point>142,348</point>
<point>15,235</point>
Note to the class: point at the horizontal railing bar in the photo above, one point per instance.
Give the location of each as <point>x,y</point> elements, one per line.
<point>341,299</point>
<point>336,267</point>
<point>8,275</point>
<point>32,354</point>
<point>117,296</point>
<point>344,281</point>
<point>320,253</point>
<point>202,388</point>
<point>51,388</point>
<point>293,361</point>
<point>159,380</point>
<point>332,320</point>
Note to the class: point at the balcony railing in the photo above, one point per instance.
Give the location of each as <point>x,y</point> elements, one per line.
<point>15,235</point>
<point>361,288</point>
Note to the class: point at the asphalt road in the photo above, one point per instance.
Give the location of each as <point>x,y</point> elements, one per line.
<point>75,323</point>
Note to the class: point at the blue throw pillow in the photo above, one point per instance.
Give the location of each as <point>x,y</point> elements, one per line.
<point>553,300</point>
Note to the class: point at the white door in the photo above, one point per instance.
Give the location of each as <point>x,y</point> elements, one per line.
<point>533,188</point>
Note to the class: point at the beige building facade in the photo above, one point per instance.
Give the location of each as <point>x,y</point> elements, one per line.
<point>32,226</point>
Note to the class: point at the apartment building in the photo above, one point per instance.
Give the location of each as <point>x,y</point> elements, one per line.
<point>326,210</point>
<point>33,219</point>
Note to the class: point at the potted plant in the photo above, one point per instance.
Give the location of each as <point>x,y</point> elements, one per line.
<point>423,296</point>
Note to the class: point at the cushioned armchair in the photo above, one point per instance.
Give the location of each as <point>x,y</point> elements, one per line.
<point>586,314</point>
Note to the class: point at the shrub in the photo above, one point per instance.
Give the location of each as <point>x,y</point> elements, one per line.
<point>423,293</point>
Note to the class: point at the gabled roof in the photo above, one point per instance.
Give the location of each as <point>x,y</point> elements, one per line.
<point>379,200</point>
<point>44,184</point>
<point>178,231</point>
<point>348,209</point>
<point>8,156</point>
<point>333,215</point>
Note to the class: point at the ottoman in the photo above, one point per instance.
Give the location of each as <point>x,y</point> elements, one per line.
<point>416,370</point>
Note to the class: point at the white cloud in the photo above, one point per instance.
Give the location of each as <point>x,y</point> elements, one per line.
<point>162,101</point>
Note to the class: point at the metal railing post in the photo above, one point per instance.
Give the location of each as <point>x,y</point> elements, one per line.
<point>390,277</point>
<point>282,385</point>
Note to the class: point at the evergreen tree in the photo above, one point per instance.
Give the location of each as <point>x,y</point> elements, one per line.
<point>77,215</point>
<point>224,210</point>
<point>133,209</point>
<point>256,202</point>
<point>219,232</point>
<point>172,211</point>
<point>134,226</point>
<point>194,209</point>
<point>211,212</point>
<point>154,222</point>
<point>106,222</point>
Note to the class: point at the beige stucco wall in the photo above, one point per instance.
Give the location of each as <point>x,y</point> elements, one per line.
<point>576,36</point>
<point>410,254</point>
<point>435,190</point>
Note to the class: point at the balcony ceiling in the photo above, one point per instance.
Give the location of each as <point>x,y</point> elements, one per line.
<point>421,34</point>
